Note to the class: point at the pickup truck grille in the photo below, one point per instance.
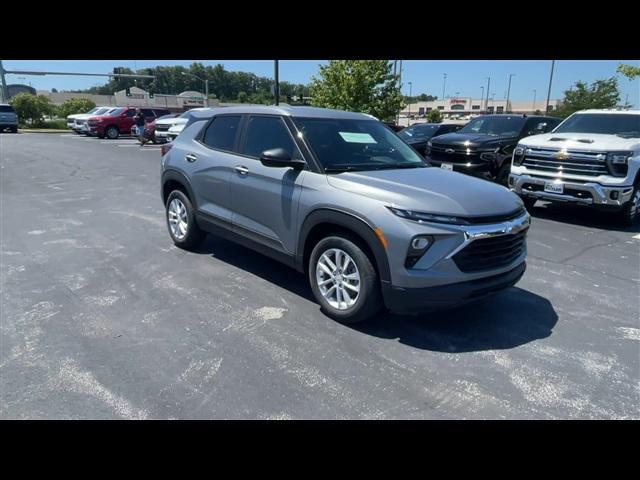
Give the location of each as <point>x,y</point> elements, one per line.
<point>491,253</point>
<point>163,127</point>
<point>459,155</point>
<point>574,162</point>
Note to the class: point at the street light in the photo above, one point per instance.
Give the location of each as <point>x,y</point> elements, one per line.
<point>509,90</point>
<point>534,102</point>
<point>481,96</point>
<point>553,63</point>
<point>409,119</point>
<point>444,82</point>
<point>206,85</point>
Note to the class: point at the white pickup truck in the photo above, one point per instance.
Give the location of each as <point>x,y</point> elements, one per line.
<point>592,158</point>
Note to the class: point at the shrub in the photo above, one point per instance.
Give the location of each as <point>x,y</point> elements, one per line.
<point>31,107</point>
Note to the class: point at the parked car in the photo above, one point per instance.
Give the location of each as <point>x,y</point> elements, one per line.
<point>590,159</point>
<point>71,119</point>
<point>8,118</point>
<point>149,132</point>
<point>81,122</point>
<point>419,134</point>
<point>484,146</point>
<point>339,196</point>
<point>163,124</point>
<point>120,121</point>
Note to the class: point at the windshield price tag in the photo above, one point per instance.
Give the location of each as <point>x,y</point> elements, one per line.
<point>354,137</point>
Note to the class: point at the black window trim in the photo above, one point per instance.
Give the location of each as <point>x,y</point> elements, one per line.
<point>200,137</point>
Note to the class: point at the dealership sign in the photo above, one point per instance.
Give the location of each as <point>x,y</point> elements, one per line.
<point>457,101</point>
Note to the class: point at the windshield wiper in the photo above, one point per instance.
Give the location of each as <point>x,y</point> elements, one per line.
<point>349,168</point>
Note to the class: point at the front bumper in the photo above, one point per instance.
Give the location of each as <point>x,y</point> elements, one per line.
<point>411,300</point>
<point>588,193</point>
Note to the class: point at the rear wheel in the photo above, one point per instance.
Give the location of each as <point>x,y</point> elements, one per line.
<point>344,280</point>
<point>112,132</point>
<point>14,129</point>
<point>630,213</point>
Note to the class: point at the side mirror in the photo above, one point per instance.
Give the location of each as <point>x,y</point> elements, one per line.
<point>540,128</point>
<point>279,157</point>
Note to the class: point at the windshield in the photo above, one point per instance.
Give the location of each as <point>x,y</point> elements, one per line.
<point>93,110</point>
<point>342,145</point>
<point>100,111</point>
<point>115,111</point>
<point>186,114</point>
<point>6,109</point>
<point>418,132</point>
<point>502,125</point>
<point>624,125</point>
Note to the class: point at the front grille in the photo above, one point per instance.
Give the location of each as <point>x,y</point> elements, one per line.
<point>163,127</point>
<point>575,162</point>
<point>534,187</point>
<point>459,155</point>
<point>487,219</point>
<point>491,253</point>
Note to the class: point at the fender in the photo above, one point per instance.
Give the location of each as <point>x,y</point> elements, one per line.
<point>351,222</point>
<point>177,176</point>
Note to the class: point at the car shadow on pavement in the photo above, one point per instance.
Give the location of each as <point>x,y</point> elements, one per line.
<point>584,217</point>
<point>505,320</point>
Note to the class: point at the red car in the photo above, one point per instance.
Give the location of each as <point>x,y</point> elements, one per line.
<point>120,121</point>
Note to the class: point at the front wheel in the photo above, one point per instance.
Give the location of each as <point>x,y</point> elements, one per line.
<point>183,229</point>
<point>112,132</point>
<point>503,174</point>
<point>630,213</point>
<point>344,280</point>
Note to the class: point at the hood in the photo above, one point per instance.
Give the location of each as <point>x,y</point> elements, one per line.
<point>430,190</point>
<point>172,121</point>
<point>582,141</point>
<point>472,140</point>
<point>81,116</point>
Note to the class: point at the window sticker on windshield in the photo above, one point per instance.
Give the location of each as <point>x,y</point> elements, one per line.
<point>353,137</point>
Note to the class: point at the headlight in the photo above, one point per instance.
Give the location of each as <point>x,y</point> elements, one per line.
<point>518,155</point>
<point>618,162</point>
<point>421,217</point>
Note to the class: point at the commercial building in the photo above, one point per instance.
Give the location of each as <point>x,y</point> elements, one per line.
<point>464,107</point>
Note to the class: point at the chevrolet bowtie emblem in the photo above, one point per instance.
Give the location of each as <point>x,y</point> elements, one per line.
<point>561,155</point>
<point>449,150</point>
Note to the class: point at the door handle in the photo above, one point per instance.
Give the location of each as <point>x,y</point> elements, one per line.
<point>190,157</point>
<point>242,170</point>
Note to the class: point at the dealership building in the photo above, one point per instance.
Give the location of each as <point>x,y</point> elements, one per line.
<point>458,107</point>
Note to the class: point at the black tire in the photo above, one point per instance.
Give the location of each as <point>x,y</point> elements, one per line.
<point>112,132</point>
<point>630,212</point>
<point>194,235</point>
<point>529,202</point>
<point>503,174</point>
<point>14,129</point>
<point>369,298</point>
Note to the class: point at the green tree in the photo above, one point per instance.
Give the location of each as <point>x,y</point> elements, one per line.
<point>629,71</point>
<point>434,116</point>
<point>600,94</point>
<point>31,107</point>
<point>75,105</point>
<point>366,86</point>
<point>242,97</point>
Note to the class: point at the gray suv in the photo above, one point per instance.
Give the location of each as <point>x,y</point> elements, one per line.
<point>342,198</point>
<point>8,118</point>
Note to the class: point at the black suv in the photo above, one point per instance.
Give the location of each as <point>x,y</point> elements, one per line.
<point>419,134</point>
<point>484,146</point>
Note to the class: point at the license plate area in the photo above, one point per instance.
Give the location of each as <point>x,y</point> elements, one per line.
<point>553,187</point>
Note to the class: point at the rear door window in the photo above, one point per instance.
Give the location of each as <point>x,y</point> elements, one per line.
<point>221,132</point>
<point>6,109</point>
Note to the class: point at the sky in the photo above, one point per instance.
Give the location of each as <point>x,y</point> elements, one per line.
<point>464,77</point>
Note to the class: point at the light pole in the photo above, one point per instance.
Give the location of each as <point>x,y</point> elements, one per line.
<point>509,91</point>
<point>481,96</point>
<point>410,85</point>
<point>553,62</point>
<point>444,82</point>
<point>206,85</point>
<point>276,90</point>
<point>486,104</point>
<point>533,107</point>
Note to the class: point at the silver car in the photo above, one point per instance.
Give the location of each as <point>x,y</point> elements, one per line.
<point>342,198</point>
<point>8,118</point>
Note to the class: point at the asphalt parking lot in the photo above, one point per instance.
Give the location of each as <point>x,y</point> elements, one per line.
<point>102,317</point>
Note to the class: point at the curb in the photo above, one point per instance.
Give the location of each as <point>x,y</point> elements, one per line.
<point>46,130</point>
